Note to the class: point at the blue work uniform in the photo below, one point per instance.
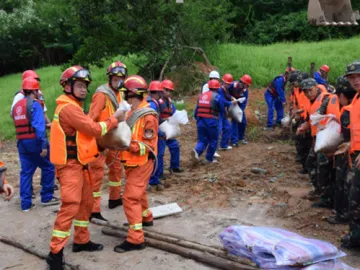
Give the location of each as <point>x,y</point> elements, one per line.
<point>238,129</point>
<point>155,178</point>
<point>29,151</point>
<point>224,124</point>
<point>319,79</point>
<point>275,97</point>
<point>207,111</point>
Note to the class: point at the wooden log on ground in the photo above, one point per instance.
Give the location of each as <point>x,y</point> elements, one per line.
<point>197,255</point>
<point>32,251</point>
<point>180,241</point>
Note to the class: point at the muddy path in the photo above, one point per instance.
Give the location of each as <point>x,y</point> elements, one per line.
<point>212,197</point>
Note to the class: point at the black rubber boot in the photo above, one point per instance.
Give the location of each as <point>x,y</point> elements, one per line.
<point>176,170</point>
<point>337,220</point>
<point>56,261</point>
<point>115,203</point>
<point>97,218</point>
<point>303,171</point>
<point>148,224</point>
<point>349,243</point>
<point>127,246</point>
<point>89,246</point>
<point>322,204</point>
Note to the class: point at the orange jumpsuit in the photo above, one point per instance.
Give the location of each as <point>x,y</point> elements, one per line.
<point>78,131</point>
<point>138,169</point>
<point>2,170</point>
<point>101,108</point>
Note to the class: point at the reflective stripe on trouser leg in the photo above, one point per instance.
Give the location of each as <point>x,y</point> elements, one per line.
<point>82,235</point>
<point>71,190</point>
<point>97,169</point>
<point>114,175</point>
<point>135,200</point>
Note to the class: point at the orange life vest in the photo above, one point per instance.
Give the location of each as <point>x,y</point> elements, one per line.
<point>303,103</point>
<point>109,109</point>
<point>85,149</point>
<point>355,125</point>
<point>333,107</point>
<point>137,159</point>
<point>322,88</point>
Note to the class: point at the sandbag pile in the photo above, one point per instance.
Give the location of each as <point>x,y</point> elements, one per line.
<point>329,137</point>
<point>273,248</point>
<point>171,127</point>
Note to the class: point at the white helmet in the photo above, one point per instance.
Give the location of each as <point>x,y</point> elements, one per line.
<point>214,74</point>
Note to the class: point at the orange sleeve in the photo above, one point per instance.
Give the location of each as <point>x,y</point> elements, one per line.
<point>97,105</point>
<point>81,122</point>
<point>2,166</point>
<point>150,127</point>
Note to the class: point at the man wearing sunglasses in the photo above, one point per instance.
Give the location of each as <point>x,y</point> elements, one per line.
<point>104,103</point>
<point>72,147</point>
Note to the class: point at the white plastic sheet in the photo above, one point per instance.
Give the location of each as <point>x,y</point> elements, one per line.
<point>328,138</point>
<point>236,113</point>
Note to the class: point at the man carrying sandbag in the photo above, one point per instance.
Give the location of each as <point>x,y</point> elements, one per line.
<point>352,240</point>
<point>156,92</point>
<point>240,90</point>
<point>275,98</point>
<point>344,173</point>
<point>167,109</point>
<point>72,147</point>
<point>207,111</point>
<point>105,102</point>
<point>320,167</point>
<point>138,162</point>
<point>299,113</point>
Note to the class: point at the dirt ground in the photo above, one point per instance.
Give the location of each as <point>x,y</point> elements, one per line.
<point>212,197</point>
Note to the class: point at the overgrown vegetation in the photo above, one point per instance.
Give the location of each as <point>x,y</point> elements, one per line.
<point>37,33</point>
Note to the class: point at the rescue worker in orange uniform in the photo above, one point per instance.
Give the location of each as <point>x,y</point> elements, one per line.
<point>5,187</point>
<point>352,240</point>
<point>320,167</point>
<point>72,148</point>
<point>138,162</point>
<point>299,113</point>
<point>104,103</point>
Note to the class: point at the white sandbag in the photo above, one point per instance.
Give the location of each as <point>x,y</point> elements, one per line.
<point>118,138</point>
<point>124,106</point>
<point>285,122</point>
<point>170,130</point>
<point>236,113</point>
<point>179,118</point>
<point>329,138</point>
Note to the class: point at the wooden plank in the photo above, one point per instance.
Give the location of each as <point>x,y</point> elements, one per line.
<point>165,210</point>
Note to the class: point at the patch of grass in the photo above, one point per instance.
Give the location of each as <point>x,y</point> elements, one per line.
<point>51,88</point>
<point>263,63</point>
<point>253,133</point>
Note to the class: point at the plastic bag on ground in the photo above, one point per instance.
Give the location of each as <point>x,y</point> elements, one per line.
<point>118,138</point>
<point>258,244</point>
<point>170,130</point>
<point>285,122</point>
<point>236,113</point>
<point>179,118</point>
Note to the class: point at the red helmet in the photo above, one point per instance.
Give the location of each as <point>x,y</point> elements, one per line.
<point>246,79</point>
<point>75,73</point>
<point>167,84</point>
<point>156,86</point>
<point>117,69</point>
<point>325,68</point>
<point>214,84</point>
<point>136,84</point>
<point>30,74</point>
<point>30,84</point>
<point>227,78</point>
<point>292,69</point>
